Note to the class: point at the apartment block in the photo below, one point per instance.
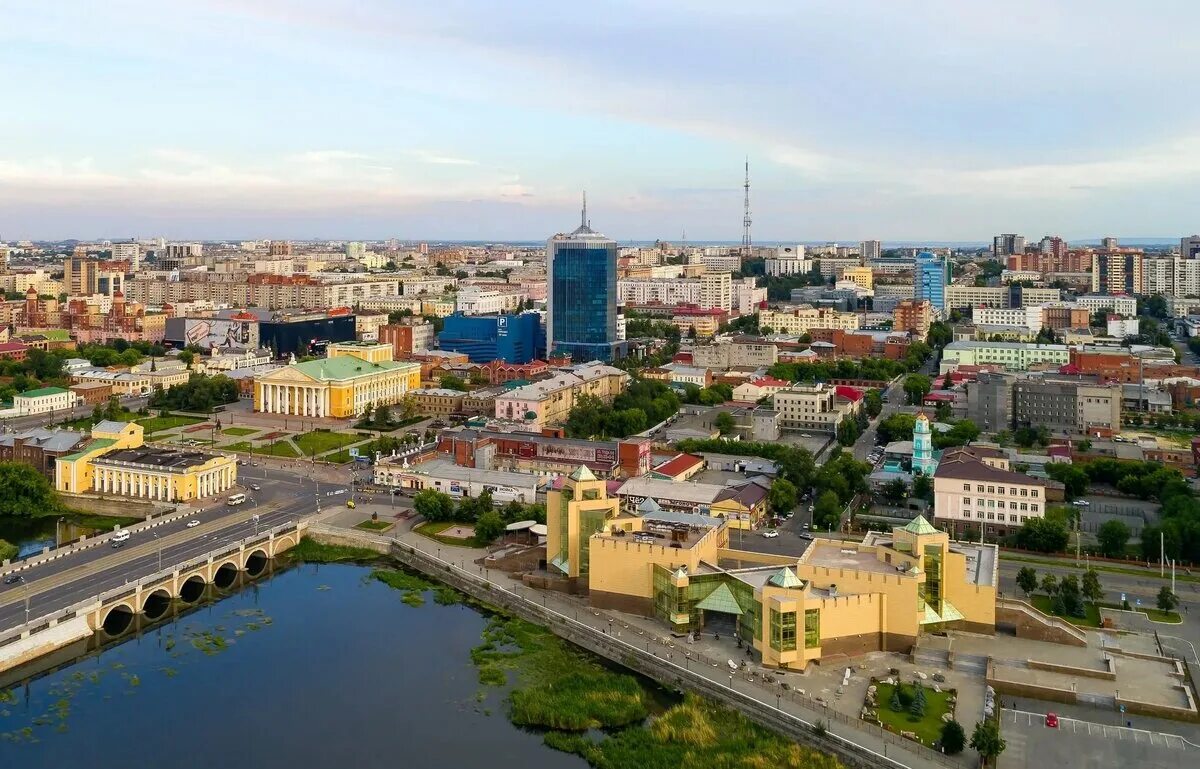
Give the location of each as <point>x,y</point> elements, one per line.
<point>804,319</point>
<point>970,494</point>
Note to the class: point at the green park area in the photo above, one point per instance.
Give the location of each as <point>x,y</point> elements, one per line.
<point>158,424</point>
<point>317,442</point>
<point>898,709</point>
<point>239,432</point>
<point>273,449</point>
<point>434,529</point>
<point>370,525</point>
<point>1045,604</point>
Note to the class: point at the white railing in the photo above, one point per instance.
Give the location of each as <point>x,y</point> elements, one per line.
<point>12,634</point>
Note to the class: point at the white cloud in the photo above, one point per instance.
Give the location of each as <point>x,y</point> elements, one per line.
<point>440,160</point>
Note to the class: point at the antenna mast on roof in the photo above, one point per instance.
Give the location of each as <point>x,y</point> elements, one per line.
<point>583,220</point>
<point>747,249</point>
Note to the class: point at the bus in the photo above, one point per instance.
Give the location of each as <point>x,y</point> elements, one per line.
<point>236,499</point>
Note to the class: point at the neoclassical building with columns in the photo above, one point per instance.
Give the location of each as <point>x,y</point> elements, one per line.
<point>116,462</point>
<point>353,376</point>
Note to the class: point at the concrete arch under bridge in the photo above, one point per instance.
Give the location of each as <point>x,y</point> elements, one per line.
<point>153,600</point>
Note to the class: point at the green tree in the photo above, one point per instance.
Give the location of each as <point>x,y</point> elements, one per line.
<point>986,740</point>
<point>1071,596</point>
<point>1043,535</point>
<point>724,423</point>
<point>782,496</point>
<point>895,491</point>
<point>848,431</point>
<point>1090,586</point>
<point>8,551</point>
<point>1027,579</point>
<point>1113,536</point>
<point>26,493</point>
<point>451,382</point>
<point>1166,600</point>
<point>827,512</point>
<point>1084,446</point>
<point>488,526</point>
<point>954,738</point>
<point>873,403</point>
<point>895,704</point>
<point>916,387</point>
<point>434,506</point>
<point>1050,584</point>
<point>923,488</point>
<point>1070,475</point>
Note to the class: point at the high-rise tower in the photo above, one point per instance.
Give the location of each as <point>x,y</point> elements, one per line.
<point>581,294</point>
<point>747,246</point>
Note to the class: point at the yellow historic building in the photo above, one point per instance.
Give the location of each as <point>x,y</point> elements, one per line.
<point>116,462</point>
<point>352,376</point>
<point>839,598</point>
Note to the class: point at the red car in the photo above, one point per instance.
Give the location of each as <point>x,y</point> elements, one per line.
<point>1051,721</point>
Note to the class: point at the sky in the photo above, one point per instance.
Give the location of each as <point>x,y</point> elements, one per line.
<point>467,119</point>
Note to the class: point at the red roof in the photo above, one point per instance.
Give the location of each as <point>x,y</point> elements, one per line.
<point>12,346</point>
<point>678,464</point>
<point>769,381</point>
<point>939,397</point>
<point>852,394</point>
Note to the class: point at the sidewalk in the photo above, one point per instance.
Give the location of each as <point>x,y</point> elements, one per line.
<point>768,688</point>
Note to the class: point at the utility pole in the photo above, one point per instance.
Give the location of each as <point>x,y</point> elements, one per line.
<point>1162,554</point>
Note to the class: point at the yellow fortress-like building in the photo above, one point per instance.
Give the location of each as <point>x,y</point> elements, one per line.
<point>838,598</point>
<point>116,462</point>
<point>352,376</point>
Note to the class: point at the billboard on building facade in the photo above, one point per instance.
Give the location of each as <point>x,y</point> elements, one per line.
<point>222,334</point>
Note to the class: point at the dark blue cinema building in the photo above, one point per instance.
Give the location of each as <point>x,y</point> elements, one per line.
<point>485,338</point>
<point>581,295</point>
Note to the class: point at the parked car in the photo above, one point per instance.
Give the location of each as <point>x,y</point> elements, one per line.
<point>1051,721</point>
<point>1081,503</point>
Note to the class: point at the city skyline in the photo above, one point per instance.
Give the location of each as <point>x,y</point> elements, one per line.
<point>467,122</point>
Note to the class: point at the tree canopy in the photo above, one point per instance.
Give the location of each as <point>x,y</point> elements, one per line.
<point>26,493</point>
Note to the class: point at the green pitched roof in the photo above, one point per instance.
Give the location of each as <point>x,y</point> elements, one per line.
<point>344,367</point>
<point>95,443</point>
<point>721,600</point>
<point>582,473</point>
<point>919,525</point>
<point>42,391</point>
<point>785,577</point>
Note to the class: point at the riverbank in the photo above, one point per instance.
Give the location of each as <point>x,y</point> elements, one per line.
<point>581,706</point>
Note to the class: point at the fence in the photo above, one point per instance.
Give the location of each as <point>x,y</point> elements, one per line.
<point>44,621</point>
<point>656,659</point>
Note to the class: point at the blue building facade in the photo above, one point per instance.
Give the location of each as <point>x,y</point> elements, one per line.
<point>930,276</point>
<point>581,295</point>
<point>485,338</point>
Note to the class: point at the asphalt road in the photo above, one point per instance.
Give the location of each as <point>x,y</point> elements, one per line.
<point>59,583</point>
<point>79,412</point>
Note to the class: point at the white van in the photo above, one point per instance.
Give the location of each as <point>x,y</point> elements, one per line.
<point>236,499</point>
<point>120,536</point>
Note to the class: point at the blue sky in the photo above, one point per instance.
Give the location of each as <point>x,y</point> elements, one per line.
<point>932,119</point>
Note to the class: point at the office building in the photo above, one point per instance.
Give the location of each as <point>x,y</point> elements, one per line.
<point>1110,243</point>
<point>1053,246</point>
<point>485,338</point>
<point>913,316</point>
<point>961,297</point>
<point>788,260</point>
<point>581,294</point>
<point>804,319</point>
<point>1121,305</point>
<point>870,250</point>
<point>1014,356</point>
<point>974,490</point>
<point>411,335</point>
<point>1008,245</point>
<point>128,252</point>
<point>1065,405</point>
<point>930,278</point>
<point>862,277</point>
<point>1189,248</point>
<point>818,407</point>
<point>1117,272</point>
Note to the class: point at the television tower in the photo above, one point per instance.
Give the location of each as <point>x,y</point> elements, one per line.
<point>747,249</point>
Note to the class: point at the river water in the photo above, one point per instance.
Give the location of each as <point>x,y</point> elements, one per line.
<point>318,666</point>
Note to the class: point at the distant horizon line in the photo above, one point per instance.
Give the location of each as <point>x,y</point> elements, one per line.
<point>766,243</point>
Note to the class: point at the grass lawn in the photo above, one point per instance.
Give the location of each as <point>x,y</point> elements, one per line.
<point>158,424</point>
<point>86,423</point>
<point>434,532</point>
<point>277,449</point>
<point>1156,615</point>
<point>929,727</point>
<point>1042,604</point>
<point>337,457</point>
<point>1144,573</point>
<point>320,441</point>
<point>374,525</point>
<point>239,432</point>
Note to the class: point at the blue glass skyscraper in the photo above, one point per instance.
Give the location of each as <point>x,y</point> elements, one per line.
<point>930,276</point>
<point>581,294</point>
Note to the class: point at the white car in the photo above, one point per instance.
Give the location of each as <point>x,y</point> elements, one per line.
<point>1081,503</point>
<point>770,534</point>
<point>193,523</point>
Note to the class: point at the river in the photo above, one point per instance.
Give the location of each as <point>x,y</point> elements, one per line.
<point>317,666</point>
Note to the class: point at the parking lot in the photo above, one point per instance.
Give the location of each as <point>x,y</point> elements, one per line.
<point>1080,743</point>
